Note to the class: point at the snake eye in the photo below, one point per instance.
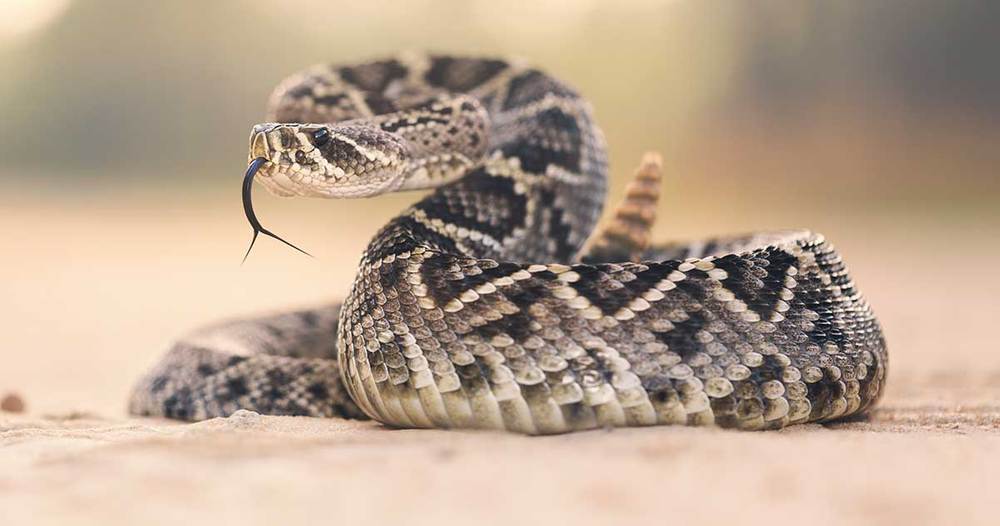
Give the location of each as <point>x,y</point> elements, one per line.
<point>321,137</point>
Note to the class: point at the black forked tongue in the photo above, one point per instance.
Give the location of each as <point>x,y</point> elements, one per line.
<point>248,209</point>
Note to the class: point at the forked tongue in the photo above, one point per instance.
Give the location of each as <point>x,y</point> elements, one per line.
<point>248,209</point>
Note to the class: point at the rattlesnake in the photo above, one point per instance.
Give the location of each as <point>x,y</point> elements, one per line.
<point>478,308</point>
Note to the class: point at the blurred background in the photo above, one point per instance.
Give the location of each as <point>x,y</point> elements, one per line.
<point>123,138</point>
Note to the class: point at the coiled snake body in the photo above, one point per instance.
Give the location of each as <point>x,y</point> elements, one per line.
<point>478,308</point>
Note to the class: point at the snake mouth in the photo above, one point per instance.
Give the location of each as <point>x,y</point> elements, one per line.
<point>251,215</point>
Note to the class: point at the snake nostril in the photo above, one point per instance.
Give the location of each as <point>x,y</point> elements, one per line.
<point>300,157</point>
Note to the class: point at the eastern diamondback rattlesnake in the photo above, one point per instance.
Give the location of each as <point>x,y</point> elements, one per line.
<point>477,308</point>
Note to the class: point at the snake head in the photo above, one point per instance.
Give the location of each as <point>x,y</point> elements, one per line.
<point>337,160</point>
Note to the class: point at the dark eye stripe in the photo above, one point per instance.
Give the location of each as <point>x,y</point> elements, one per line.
<point>321,137</point>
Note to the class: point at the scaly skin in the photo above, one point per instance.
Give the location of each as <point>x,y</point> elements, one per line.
<point>472,309</point>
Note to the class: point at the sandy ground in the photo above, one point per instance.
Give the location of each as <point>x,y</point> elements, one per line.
<point>919,464</point>
<point>93,288</point>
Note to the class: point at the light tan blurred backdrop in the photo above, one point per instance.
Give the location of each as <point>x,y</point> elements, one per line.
<point>123,129</point>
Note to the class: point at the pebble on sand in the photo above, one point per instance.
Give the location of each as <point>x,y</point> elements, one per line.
<point>12,403</point>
